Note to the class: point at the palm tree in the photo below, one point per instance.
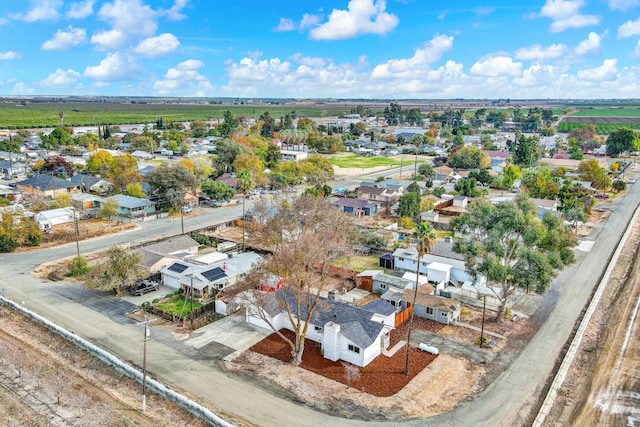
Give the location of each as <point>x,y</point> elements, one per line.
<point>426,240</point>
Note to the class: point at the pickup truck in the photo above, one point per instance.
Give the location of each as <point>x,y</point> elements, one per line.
<point>143,286</point>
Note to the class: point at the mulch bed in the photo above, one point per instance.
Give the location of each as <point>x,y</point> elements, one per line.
<point>382,377</point>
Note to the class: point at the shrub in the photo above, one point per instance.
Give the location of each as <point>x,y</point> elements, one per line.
<point>482,340</point>
<point>8,244</point>
<point>169,295</point>
<point>438,191</point>
<point>155,301</point>
<point>34,237</point>
<point>78,266</point>
<point>507,313</point>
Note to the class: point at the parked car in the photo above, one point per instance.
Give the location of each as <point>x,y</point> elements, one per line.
<point>141,287</point>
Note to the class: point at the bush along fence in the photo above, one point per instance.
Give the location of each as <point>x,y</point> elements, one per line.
<point>120,366</point>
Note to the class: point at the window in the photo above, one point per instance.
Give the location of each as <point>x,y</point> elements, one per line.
<point>401,259</point>
<point>318,328</point>
<point>429,310</point>
<point>383,286</point>
<point>444,314</point>
<point>354,348</point>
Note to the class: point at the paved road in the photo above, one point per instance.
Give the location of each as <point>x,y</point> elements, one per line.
<point>508,401</point>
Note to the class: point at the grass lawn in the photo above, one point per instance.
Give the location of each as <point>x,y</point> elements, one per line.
<point>364,162</point>
<point>178,306</point>
<point>361,263</point>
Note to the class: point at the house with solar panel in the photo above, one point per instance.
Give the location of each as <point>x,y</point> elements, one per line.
<point>210,280</point>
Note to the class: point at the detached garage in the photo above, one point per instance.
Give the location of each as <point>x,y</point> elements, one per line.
<point>47,219</point>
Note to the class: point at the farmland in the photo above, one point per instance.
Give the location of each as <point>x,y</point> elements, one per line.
<point>14,115</point>
<point>604,125</point>
<point>609,111</point>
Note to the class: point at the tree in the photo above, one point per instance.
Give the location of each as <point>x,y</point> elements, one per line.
<point>307,237</point>
<point>481,176</point>
<point>109,208</point>
<point>227,151</point>
<point>619,185</point>
<point>622,140</point>
<point>99,161</point>
<point>590,170</point>
<point>409,205</point>
<point>217,190</point>
<point>469,157</point>
<point>467,187</point>
<point>512,248</point>
<point>228,126</point>
<point>428,172</point>
<point>122,171</point>
<point>541,183</point>
<point>198,128</point>
<point>168,184</point>
<point>268,124</point>
<point>202,165</point>
<point>426,240</point>
<point>526,150</point>
<point>135,190</point>
<point>118,271</point>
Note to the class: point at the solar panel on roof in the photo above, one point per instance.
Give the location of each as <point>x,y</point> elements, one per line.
<point>214,274</point>
<point>178,268</point>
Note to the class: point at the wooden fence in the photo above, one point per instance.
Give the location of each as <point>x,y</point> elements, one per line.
<point>403,316</point>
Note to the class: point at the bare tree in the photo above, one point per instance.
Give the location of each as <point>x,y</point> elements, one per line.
<point>307,237</point>
<point>351,373</point>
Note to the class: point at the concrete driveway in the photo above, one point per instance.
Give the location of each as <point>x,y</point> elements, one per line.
<point>231,331</point>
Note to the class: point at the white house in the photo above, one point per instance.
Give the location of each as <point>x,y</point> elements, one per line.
<point>442,253</point>
<point>353,334</point>
<point>47,219</point>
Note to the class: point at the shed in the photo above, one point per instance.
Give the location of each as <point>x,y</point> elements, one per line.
<point>386,261</point>
<point>439,273</point>
<point>47,219</point>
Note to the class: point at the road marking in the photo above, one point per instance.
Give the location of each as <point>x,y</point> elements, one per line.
<point>586,245</point>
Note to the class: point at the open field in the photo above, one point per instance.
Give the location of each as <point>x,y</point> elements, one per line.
<point>604,125</point>
<point>36,115</point>
<point>362,162</point>
<point>609,111</point>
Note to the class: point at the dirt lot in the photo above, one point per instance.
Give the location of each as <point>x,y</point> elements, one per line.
<point>602,385</point>
<point>44,380</point>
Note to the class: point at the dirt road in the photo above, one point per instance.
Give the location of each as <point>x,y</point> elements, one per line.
<point>603,385</point>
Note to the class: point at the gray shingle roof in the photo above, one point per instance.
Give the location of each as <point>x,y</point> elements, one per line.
<point>355,323</point>
<point>381,307</point>
<point>45,183</point>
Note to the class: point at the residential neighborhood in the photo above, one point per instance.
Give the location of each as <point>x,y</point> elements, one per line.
<point>401,266</point>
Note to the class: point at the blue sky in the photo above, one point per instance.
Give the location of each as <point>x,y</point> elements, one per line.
<point>391,49</point>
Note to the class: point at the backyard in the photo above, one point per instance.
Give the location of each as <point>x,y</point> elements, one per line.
<point>178,305</point>
<point>345,160</point>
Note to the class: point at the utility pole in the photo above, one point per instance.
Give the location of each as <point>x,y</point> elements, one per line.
<point>244,196</point>
<point>484,306</point>
<point>75,221</point>
<point>182,218</point>
<point>147,335</point>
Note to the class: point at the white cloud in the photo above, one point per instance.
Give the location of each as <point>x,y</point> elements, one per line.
<point>116,66</point>
<point>129,19</point>
<point>109,40</point>
<point>539,53</point>
<point>61,77</point>
<point>41,10</point>
<point>538,75</point>
<point>63,40</point>
<point>9,55</point>
<point>565,14</point>
<point>629,29</point>
<point>607,71</point>
<point>622,5</point>
<point>308,21</point>
<point>80,10</point>
<point>362,17</point>
<point>495,66</point>
<point>284,25</point>
<point>429,53</point>
<point>175,13</point>
<point>184,80</point>
<point>591,43</point>
<point>157,46</point>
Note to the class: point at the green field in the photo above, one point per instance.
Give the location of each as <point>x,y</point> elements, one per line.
<point>363,162</point>
<point>15,115</point>
<point>601,128</point>
<point>608,111</point>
